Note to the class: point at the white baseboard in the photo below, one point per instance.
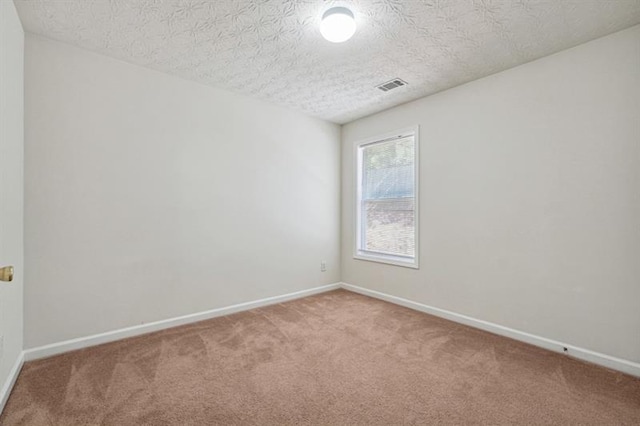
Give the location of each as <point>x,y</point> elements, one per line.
<point>110,336</point>
<point>604,360</point>
<point>11,380</point>
<point>608,361</point>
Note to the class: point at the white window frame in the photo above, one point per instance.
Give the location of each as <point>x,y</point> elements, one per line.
<point>390,259</point>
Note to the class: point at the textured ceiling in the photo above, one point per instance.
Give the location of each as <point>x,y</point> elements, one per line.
<point>272,49</point>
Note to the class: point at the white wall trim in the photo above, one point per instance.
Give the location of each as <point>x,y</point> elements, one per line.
<point>7,387</point>
<point>359,253</point>
<point>604,360</point>
<point>123,333</point>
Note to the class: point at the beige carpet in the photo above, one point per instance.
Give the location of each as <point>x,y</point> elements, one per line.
<point>333,359</point>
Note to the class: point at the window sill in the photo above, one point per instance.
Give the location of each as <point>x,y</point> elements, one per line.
<point>388,259</point>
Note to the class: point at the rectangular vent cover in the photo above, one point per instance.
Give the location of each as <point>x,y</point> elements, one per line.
<point>391,84</point>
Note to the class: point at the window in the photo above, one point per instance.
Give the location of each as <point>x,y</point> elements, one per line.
<point>387,199</point>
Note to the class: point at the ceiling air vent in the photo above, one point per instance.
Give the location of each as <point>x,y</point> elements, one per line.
<point>391,84</point>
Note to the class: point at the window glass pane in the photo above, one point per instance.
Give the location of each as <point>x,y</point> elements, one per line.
<point>390,226</point>
<point>388,169</point>
<point>388,197</point>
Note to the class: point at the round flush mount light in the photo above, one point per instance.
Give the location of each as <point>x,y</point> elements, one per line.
<point>337,24</point>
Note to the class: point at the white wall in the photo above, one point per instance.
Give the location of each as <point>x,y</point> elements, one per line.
<point>150,197</point>
<point>530,198</point>
<point>11,188</point>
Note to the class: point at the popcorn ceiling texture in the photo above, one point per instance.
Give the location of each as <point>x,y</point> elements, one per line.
<point>273,50</point>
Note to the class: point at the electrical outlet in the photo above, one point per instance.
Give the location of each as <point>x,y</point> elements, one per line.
<point>323,266</point>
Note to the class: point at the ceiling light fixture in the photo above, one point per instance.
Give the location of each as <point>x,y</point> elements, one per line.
<point>338,24</point>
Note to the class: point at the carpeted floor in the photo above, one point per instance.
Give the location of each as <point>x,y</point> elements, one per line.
<point>333,359</point>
